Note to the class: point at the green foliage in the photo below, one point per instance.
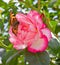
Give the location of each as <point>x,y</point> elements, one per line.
<point>51,10</point>
<point>1,24</point>
<point>53,25</point>
<point>11,57</point>
<point>54,46</point>
<point>57,30</point>
<point>38,58</point>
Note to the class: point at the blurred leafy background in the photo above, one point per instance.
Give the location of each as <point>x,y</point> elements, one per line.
<point>51,10</point>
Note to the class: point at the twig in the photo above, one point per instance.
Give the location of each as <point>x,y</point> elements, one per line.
<point>39,5</point>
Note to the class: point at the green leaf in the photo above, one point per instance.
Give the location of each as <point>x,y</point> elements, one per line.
<point>30,1</point>
<point>6,42</point>
<point>58,61</point>
<point>3,4</point>
<point>53,25</point>
<point>57,29</point>
<point>52,2</point>
<point>21,59</point>
<point>10,58</point>
<point>54,46</point>
<point>1,24</point>
<point>37,59</point>
<point>52,63</point>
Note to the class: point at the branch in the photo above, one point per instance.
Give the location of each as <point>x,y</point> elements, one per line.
<point>39,5</point>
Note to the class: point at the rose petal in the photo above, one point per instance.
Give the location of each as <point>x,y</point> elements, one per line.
<point>39,44</point>
<point>47,33</point>
<point>19,46</point>
<point>23,18</point>
<point>36,18</point>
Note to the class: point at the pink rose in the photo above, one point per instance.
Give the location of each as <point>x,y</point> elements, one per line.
<point>32,33</point>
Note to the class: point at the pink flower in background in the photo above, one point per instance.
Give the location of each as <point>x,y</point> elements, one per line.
<point>32,33</point>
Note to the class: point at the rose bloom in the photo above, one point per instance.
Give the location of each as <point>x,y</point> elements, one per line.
<point>32,33</point>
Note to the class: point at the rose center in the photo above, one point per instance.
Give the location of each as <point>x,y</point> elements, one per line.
<point>25,27</point>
